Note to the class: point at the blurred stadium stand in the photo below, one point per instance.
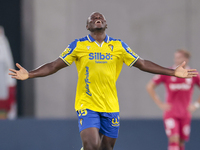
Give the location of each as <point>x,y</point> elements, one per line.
<point>57,134</point>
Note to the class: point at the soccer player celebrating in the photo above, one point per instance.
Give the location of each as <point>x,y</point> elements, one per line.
<point>99,60</point>
<point>177,108</point>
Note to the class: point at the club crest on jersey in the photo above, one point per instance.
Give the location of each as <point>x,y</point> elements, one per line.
<point>111,47</point>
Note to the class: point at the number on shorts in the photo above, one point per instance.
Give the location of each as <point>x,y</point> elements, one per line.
<point>82,112</point>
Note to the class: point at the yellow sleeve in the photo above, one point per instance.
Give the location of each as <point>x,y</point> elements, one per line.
<point>69,54</point>
<point>129,57</point>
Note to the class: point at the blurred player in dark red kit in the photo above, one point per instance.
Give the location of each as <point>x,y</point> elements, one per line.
<point>178,107</point>
<point>7,84</point>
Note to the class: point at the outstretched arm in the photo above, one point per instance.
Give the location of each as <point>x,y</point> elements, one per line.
<point>42,71</point>
<point>148,66</point>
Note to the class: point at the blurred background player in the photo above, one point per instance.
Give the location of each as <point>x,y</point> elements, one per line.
<point>178,107</point>
<point>7,84</point>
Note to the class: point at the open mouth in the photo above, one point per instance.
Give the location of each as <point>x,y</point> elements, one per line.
<point>98,21</point>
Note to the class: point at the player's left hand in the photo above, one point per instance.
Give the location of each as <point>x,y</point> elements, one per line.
<point>185,73</point>
<point>192,108</point>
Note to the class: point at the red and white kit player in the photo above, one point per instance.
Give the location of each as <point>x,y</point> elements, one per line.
<point>178,107</point>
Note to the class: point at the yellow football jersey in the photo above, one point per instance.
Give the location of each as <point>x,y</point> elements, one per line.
<point>98,66</point>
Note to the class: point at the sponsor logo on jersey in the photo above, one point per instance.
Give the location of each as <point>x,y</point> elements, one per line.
<point>66,51</point>
<point>131,52</point>
<point>179,86</point>
<point>99,57</point>
<point>87,82</point>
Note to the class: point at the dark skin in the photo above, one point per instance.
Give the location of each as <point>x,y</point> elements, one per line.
<point>96,24</point>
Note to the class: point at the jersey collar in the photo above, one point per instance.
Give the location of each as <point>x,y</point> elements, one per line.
<point>91,39</point>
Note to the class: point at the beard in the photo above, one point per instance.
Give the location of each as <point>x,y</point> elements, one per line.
<point>98,29</point>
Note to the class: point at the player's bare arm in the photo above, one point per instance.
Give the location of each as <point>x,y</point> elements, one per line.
<point>148,66</point>
<point>194,106</point>
<point>151,90</point>
<point>42,71</point>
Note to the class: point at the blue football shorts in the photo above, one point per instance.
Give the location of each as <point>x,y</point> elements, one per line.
<point>107,123</point>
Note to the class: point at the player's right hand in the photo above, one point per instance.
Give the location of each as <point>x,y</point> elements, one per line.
<point>181,72</point>
<point>191,108</point>
<point>164,106</point>
<point>21,74</point>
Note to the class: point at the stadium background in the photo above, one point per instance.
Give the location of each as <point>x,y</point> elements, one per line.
<point>39,30</point>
